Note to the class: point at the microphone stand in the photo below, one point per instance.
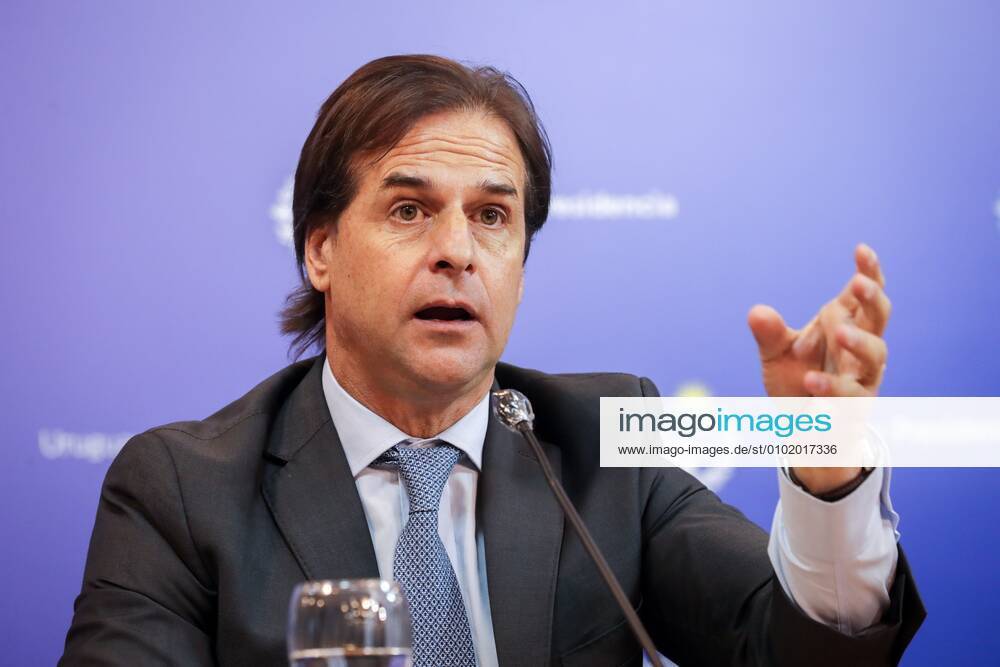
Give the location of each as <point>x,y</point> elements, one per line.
<point>514,411</point>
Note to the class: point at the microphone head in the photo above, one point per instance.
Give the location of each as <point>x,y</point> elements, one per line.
<point>513,409</point>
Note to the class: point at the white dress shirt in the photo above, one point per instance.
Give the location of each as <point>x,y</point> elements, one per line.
<point>834,560</point>
<point>365,436</point>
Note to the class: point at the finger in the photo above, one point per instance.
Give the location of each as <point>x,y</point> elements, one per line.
<point>870,350</point>
<point>770,331</point>
<point>868,264</point>
<point>846,298</point>
<point>807,342</point>
<point>819,383</point>
<point>832,316</point>
<point>873,301</point>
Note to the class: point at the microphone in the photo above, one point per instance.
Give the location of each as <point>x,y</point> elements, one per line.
<point>514,411</point>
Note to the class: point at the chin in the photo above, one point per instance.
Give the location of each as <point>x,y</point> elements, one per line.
<point>450,371</point>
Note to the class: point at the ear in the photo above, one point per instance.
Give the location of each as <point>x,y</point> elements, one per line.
<point>520,286</point>
<point>318,256</point>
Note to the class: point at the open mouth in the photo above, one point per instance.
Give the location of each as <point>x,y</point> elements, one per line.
<point>444,313</point>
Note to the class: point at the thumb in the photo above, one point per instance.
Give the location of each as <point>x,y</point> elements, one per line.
<point>772,335</point>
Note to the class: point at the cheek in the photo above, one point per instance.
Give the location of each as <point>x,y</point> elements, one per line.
<point>507,293</point>
<point>362,279</point>
<point>376,270</point>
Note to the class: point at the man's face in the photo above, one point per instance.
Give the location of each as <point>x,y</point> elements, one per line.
<point>423,271</point>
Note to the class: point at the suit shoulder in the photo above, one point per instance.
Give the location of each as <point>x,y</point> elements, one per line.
<point>242,420</point>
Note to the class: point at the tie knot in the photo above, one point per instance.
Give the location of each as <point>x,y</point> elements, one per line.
<point>423,470</point>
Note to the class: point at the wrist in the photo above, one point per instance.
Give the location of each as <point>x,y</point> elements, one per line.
<point>829,487</point>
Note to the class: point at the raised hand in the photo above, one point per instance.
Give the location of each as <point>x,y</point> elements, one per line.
<point>840,352</point>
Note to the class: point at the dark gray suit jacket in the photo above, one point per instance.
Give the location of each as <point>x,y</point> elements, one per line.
<point>204,528</point>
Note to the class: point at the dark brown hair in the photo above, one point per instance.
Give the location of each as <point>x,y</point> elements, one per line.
<point>368,114</point>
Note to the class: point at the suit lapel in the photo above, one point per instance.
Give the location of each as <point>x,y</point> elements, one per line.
<point>522,529</point>
<point>310,491</point>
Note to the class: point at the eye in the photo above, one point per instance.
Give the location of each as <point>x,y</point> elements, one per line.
<point>491,216</point>
<point>407,212</point>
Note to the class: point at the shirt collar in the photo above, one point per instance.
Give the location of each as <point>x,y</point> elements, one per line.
<point>364,435</point>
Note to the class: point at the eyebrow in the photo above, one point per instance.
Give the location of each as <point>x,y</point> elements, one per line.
<point>495,188</point>
<point>398,180</point>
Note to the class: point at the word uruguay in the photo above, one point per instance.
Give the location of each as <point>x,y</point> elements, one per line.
<point>94,447</point>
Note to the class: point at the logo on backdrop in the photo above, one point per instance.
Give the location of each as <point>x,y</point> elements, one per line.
<point>281,213</point>
<point>996,211</point>
<point>713,478</point>
<point>580,206</point>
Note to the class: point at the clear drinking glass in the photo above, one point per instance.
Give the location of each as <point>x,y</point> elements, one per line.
<point>349,623</point>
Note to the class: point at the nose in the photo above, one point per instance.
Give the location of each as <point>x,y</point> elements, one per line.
<point>452,246</point>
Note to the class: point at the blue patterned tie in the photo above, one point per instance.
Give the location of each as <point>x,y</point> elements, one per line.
<point>441,633</point>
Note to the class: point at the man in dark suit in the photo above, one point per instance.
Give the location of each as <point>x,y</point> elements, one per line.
<point>416,197</point>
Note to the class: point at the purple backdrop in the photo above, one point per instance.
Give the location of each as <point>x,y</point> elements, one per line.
<point>708,156</point>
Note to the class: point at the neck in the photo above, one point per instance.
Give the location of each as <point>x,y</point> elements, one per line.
<point>417,413</point>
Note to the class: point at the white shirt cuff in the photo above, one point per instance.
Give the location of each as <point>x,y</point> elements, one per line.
<point>836,560</point>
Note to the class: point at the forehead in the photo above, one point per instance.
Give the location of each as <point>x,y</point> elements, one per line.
<point>457,146</point>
